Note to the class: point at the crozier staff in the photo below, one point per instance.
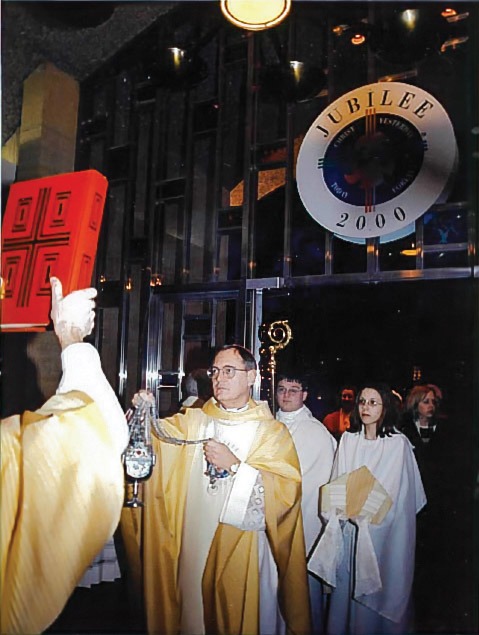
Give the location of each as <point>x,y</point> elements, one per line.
<point>61,478</point>
<point>219,545</point>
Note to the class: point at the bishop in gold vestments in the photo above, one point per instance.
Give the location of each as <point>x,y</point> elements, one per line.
<point>225,558</point>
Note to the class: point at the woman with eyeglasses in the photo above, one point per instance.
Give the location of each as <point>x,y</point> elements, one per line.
<point>373,440</point>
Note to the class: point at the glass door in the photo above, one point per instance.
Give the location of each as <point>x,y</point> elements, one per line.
<point>183,330</point>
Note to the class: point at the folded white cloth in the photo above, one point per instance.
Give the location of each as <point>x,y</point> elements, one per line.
<point>104,567</point>
<point>361,499</point>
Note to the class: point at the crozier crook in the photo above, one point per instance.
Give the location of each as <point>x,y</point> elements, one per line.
<point>280,334</point>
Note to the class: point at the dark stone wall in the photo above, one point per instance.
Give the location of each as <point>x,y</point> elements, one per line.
<point>32,34</point>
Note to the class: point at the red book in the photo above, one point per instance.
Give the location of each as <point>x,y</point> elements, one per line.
<point>50,228</point>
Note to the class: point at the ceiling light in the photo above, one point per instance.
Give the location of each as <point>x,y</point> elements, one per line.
<point>294,81</point>
<point>406,37</point>
<point>453,42</point>
<point>175,68</point>
<point>358,38</point>
<point>255,15</point>
<point>340,29</point>
<point>448,13</point>
<point>409,17</point>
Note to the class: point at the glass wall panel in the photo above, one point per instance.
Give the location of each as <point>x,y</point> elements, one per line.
<point>390,331</point>
<point>172,241</point>
<point>398,255</point>
<point>229,255</point>
<point>269,231</point>
<point>232,133</point>
<point>108,327</point>
<point>143,173</point>
<point>121,126</point>
<point>170,358</point>
<point>265,90</point>
<point>225,322</point>
<point>97,154</point>
<point>202,212</point>
<point>446,225</point>
<point>175,114</point>
<point>445,258</point>
<point>136,330</point>
<point>348,257</point>
<point>113,231</point>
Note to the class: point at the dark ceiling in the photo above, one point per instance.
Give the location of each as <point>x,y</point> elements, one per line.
<point>78,37</point>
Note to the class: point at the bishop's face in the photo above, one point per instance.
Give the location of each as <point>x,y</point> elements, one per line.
<point>232,391</point>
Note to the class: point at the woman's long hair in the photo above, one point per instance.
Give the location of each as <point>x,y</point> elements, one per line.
<point>415,396</point>
<point>388,422</point>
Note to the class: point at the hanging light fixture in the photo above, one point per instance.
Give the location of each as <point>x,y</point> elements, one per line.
<point>405,36</point>
<point>255,15</point>
<point>294,80</point>
<point>173,67</point>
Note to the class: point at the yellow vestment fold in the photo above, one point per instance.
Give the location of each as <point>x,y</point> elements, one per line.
<point>231,577</point>
<point>61,495</point>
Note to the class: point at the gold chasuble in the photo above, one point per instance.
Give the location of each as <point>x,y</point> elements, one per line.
<point>61,498</point>
<point>230,585</point>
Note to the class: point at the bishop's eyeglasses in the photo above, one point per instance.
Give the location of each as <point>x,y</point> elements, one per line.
<point>227,371</point>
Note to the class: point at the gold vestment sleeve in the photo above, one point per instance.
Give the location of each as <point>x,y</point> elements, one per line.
<point>61,493</point>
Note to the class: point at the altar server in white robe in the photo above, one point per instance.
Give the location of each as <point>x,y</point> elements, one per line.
<point>315,447</point>
<point>371,566</point>
<point>218,547</point>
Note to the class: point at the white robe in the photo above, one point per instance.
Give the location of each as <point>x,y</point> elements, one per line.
<point>315,447</point>
<point>392,462</point>
<point>82,371</point>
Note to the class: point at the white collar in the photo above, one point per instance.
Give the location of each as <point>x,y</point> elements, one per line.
<point>241,409</point>
<point>288,417</point>
<point>419,428</point>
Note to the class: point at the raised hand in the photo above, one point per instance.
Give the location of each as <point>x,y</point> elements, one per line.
<point>73,316</point>
<point>143,397</point>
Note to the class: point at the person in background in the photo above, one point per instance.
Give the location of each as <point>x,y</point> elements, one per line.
<point>61,478</point>
<point>338,421</point>
<point>420,416</point>
<point>219,545</point>
<point>398,400</point>
<point>383,605</point>
<point>445,457</point>
<point>315,447</point>
<point>198,389</point>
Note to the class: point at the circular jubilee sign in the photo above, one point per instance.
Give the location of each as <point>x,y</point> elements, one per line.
<point>375,160</point>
